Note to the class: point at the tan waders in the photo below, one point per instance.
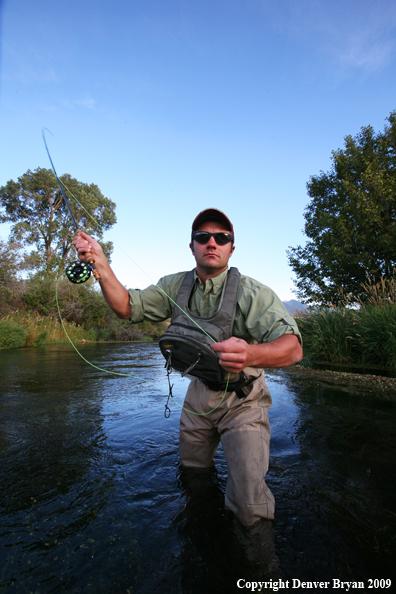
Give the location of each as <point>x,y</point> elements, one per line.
<point>242,426</point>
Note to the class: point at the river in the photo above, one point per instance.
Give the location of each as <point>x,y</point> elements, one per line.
<point>93,498</point>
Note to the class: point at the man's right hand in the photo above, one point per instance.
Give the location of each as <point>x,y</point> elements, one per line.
<point>115,294</point>
<point>85,244</point>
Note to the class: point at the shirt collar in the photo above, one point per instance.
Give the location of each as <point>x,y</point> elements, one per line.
<point>216,283</point>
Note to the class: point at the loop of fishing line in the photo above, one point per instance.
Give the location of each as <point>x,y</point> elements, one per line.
<point>129,374</point>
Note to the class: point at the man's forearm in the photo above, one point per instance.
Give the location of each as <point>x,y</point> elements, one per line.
<point>281,352</point>
<point>116,295</point>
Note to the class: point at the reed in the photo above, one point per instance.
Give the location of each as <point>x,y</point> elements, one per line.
<point>357,331</point>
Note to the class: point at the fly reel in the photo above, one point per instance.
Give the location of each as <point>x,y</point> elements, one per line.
<point>78,272</point>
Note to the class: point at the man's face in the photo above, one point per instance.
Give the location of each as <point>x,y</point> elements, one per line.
<point>211,258</point>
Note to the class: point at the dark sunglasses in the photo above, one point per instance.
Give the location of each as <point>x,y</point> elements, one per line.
<point>220,238</point>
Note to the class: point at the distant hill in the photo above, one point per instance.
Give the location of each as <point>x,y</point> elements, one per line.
<point>293,305</point>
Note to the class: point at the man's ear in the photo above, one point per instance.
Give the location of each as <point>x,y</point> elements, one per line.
<point>191,247</point>
<point>232,250</point>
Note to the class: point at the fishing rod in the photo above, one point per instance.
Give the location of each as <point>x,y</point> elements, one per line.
<point>78,271</point>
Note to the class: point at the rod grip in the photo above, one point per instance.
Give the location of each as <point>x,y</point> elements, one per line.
<point>89,259</point>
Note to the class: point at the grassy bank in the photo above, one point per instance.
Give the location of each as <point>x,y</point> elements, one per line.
<point>29,315</point>
<point>23,329</point>
<point>355,332</point>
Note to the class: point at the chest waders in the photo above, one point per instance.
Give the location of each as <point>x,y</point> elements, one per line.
<point>188,349</point>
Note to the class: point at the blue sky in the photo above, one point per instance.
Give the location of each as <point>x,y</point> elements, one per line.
<point>172,106</point>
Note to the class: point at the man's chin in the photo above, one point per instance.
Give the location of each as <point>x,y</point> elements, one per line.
<point>211,268</point>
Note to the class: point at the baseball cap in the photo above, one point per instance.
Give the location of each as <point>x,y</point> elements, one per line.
<point>212,214</point>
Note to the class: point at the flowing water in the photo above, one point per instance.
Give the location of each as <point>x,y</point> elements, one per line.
<point>92,497</point>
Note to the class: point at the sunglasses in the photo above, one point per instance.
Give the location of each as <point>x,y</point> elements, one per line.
<point>220,238</point>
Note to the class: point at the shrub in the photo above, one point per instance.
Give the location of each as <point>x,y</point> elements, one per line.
<point>12,336</point>
<point>40,295</point>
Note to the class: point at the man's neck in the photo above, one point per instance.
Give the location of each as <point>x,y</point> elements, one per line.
<point>204,275</point>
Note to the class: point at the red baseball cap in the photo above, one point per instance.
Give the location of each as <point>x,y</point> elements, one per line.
<point>212,214</point>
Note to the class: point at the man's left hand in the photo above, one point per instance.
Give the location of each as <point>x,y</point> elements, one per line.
<point>233,354</point>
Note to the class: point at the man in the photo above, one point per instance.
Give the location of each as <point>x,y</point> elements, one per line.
<point>263,335</point>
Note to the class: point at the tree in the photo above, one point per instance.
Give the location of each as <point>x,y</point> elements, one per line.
<point>39,216</point>
<point>13,260</point>
<point>10,263</point>
<point>351,220</point>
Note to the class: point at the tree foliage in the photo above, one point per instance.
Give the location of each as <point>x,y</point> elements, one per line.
<point>351,219</point>
<point>13,260</point>
<point>35,207</point>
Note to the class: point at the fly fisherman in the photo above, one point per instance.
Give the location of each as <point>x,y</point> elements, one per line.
<point>228,393</point>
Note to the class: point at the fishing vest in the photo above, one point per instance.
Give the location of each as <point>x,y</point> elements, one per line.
<point>188,349</point>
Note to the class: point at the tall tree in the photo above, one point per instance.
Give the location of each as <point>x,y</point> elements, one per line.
<point>39,216</point>
<point>351,219</point>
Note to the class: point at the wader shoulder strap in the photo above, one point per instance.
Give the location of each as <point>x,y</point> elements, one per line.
<point>224,317</point>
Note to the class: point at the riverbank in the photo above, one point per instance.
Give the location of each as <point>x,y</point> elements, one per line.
<point>28,328</point>
<point>353,383</point>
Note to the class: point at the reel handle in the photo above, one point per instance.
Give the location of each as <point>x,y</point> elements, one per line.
<point>89,258</point>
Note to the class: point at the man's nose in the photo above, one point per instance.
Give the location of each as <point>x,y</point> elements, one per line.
<point>212,242</point>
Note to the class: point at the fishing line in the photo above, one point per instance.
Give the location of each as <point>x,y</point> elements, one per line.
<point>60,183</point>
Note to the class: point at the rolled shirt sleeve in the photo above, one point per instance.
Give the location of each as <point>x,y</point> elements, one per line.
<point>262,314</point>
<point>155,302</point>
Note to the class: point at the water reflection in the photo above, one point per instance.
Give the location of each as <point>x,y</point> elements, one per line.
<point>93,499</point>
<point>336,502</point>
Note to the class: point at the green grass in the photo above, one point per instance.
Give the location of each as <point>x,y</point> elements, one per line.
<point>33,329</point>
<point>355,332</point>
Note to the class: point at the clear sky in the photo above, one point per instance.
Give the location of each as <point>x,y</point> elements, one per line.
<point>173,106</point>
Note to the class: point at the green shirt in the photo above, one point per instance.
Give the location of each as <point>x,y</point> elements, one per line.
<point>260,314</point>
